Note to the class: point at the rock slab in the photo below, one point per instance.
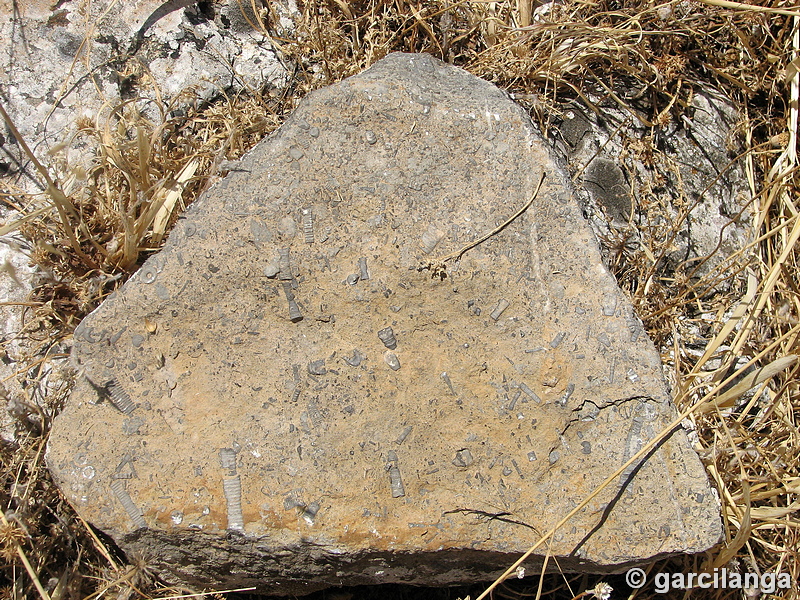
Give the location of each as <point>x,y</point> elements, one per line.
<point>282,398</point>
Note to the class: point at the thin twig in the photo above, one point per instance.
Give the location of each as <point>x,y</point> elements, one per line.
<point>437,265</point>
<point>457,255</point>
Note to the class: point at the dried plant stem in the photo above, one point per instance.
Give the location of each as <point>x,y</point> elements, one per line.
<point>101,547</point>
<point>751,7</point>
<point>459,253</point>
<point>767,287</point>
<point>30,365</point>
<point>31,573</point>
<point>14,225</point>
<point>60,200</point>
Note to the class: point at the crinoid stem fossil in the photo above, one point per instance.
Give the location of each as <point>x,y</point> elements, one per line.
<point>119,397</point>
<point>232,488</point>
<point>386,336</point>
<point>284,264</point>
<point>308,225</point>
<point>135,514</point>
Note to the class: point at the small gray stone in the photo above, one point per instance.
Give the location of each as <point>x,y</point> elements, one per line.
<point>392,360</point>
<point>463,458</point>
<point>272,269</point>
<point>132,425</point>
<point>606,181</point>
<point>356,359</point>
<point>317,367</point>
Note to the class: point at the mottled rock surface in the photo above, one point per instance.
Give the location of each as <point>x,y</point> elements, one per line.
<point>281,398</point>
<point>629,173</point>
<point>64,60</point>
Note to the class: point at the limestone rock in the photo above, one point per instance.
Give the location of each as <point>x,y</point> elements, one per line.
<point>16,275</point>
<point>281,398</point>
<point>65,61</point>
<point>688,164</point>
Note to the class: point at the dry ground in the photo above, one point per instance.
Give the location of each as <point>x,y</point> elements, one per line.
<point>740,390</point>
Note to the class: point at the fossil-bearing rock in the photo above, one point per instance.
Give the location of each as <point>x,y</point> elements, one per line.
<point>283,398</point>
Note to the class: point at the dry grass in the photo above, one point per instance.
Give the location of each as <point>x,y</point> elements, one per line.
<point>730,353</point>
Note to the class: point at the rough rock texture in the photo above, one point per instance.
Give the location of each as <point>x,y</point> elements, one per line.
<point>281,398</point>
<point>61,63</point>
<point>79,59</point>
<point>687,164</point>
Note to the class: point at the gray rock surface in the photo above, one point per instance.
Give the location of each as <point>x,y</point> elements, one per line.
<point>63,63</point>
<point>282,398</point>
<point>686,165</point>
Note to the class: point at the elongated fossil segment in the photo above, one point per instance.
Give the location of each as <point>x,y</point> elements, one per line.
<point>556,341</point>
<point>398,491</point>
<point>395,480</point>
<point>284,264</point>
<point>232,488</point>
<point>404,434</point>
<point>363,272</point>
<point>501,307</point>
<point>430,238</point>
<point>566,395</point>
<point>227,458</point>
<point>118,487</point>
<point>119,397</point>
<point>386,335</point>
<point>298,383</point>
<point>294,310</point>
<point>446,378</point>
<point>308,225</point>
<point>529,392</point>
